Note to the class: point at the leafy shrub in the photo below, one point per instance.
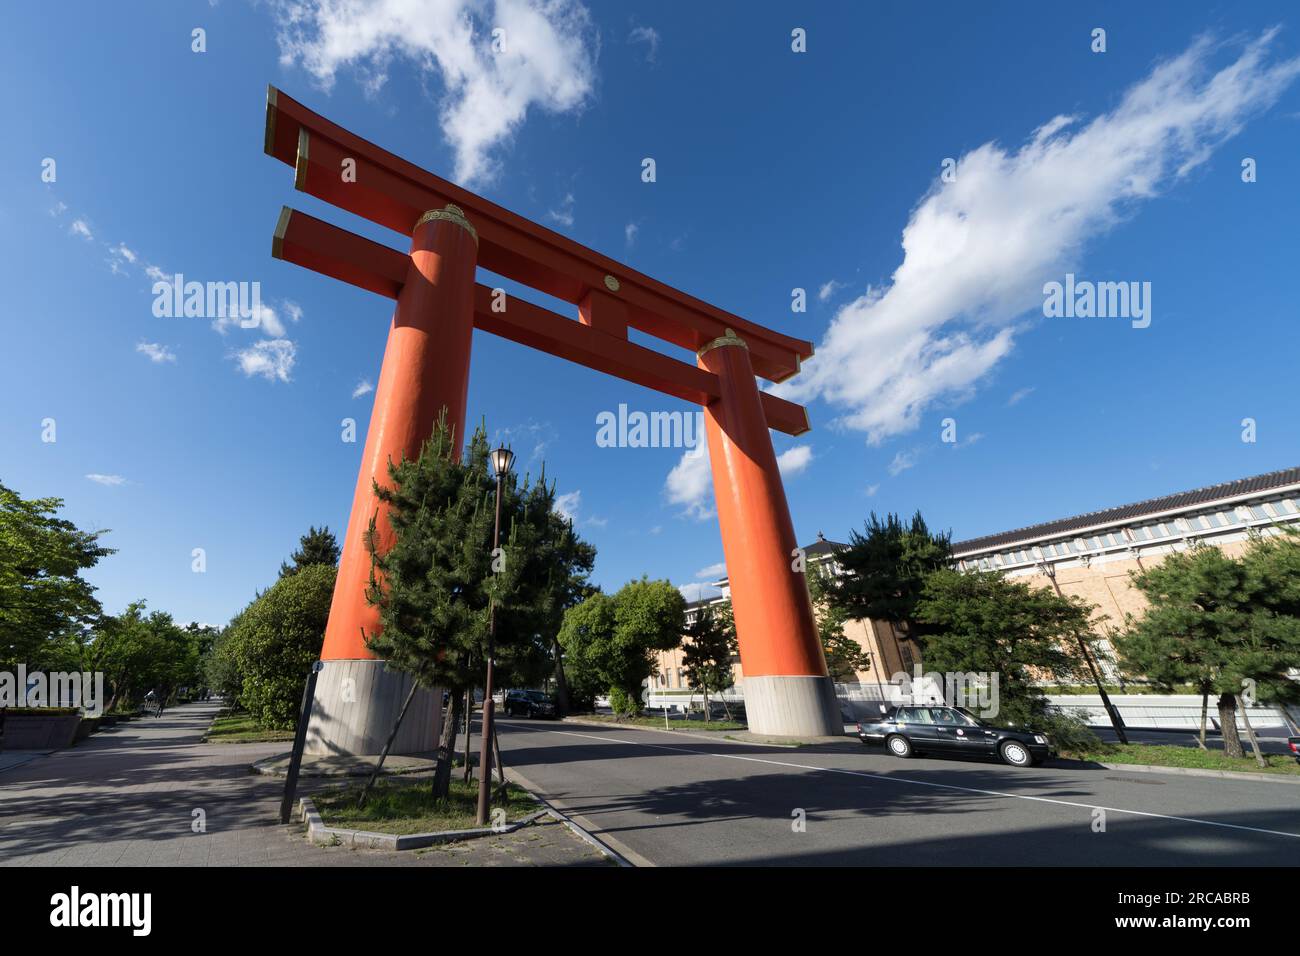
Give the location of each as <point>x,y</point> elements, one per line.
<point>623,703</point>
<point>276,640</point>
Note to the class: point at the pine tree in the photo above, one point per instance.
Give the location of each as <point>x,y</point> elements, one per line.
<point>315,547</point>
<point>844,656</point>
<point>435,583</point>
<point>706,657</point>
<point>1221,623</point>
<point>885,571</point>
<point>981,622</point>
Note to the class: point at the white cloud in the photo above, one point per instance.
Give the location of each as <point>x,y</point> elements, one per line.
<point>59,208</point>
<point>81,228</point>
<point>272,359</point>
<point>630,231</point>
<point>109,480</point>
<point>976,251</point>
<point>871,490</point>
<point>1019,396</point>
<point>712,572</point>
<point>121,250</point>
<point>364,387</point>
<point>690,483</point>
<point>547,60</point>
<point>157,353</point>
<point>794,460</point>
<point>563,215</point>
<point>902,461</point>
<point>697,591</point>
<point>567,504</point>
<point>650,37</point>
<point>828,289</point>
<point>156,274</point>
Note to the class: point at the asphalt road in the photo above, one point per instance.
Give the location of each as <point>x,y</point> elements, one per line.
<point>671,799</point>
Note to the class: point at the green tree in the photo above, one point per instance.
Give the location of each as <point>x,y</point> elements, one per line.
<point>706,656</point>
<point>1221,623</point>
<point>615,637</point>
<point>138,652</point>
<point>42,593</point>
<point>844,656</point>
<point>315,547</point>
<point>275,641</point>
<point>984,623</point>
<point>885,571</point>
<point>436,582</point>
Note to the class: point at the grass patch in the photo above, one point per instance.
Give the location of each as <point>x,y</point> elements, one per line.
<point>243,729</point>
<point>658,723</point>
<point>1166,755</point>
<point>403,807</point>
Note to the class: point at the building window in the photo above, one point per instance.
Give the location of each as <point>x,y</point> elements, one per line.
<point>1259,512</point>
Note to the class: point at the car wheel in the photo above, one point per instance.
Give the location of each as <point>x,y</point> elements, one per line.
<point>898,746</point>
<point>1016,754</point>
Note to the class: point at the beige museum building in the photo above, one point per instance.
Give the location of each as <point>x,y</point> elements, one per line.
<point>1089,556</point>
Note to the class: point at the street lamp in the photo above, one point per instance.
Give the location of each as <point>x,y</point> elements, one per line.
<point>502,458</point>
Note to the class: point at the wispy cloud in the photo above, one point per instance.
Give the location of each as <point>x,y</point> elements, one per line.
<point>903,460</point>
<point>567,504</point>
<point>1019,395</point>
<point>794,460</point>
<point>81,228</point>
<point>364,387</point>
<point>828,289</point>
<point>564,214</point>
<point>650,37</point>
<point>271,359</point>
<point>108,480</point>
<point>545,58</point>
<point>977,250</point>
<point>712,572</point>
<point>157,353</point>
<point>629,233</point>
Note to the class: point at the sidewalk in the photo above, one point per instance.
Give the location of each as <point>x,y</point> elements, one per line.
<point>134,794</point>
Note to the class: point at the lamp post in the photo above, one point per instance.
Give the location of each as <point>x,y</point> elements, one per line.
<point>502,458</point>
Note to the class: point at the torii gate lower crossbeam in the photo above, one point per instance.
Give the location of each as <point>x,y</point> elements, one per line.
<point>425,372</point>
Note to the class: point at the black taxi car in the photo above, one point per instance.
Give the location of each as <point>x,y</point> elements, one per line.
<point>529,703</point>
<point>952,731</point>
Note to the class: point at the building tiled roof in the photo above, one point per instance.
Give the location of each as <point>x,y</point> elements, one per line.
<point>822,546</point>
<point>1125,513</point>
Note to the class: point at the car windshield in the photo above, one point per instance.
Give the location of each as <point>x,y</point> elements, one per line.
<point>535,695</point>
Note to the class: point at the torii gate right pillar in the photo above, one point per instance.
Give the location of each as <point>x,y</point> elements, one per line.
<point>786,686</point>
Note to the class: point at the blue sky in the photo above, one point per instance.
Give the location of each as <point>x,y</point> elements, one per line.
<point>775,170</point>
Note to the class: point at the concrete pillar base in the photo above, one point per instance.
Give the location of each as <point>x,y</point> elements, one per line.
<point>792,706</point>
<point>357,702</point>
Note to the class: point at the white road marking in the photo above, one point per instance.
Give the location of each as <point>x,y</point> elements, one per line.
<point>922,783</point>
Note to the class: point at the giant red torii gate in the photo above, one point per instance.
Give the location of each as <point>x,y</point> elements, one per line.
<point>426,369</point>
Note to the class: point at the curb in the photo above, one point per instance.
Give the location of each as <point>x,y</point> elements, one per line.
<point>703,735</point>
<point>1237,775</point>
<point>623,856</point>
<point>322,835</point>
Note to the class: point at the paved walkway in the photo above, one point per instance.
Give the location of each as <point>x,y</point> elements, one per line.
<point>131,794</point>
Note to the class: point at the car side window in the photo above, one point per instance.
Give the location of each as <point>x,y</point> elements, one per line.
<point>915,715</point>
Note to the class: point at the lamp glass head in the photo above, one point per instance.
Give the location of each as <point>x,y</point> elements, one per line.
<point>502,459</point>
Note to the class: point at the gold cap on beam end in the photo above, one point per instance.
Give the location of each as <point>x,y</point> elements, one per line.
<point>277,241</point>
<point>449,213</point>
<point>731,338</point>
<point>272,94</point>
<point>300,164</point>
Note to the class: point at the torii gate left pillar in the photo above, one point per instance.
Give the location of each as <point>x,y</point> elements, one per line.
<point>425,373</point>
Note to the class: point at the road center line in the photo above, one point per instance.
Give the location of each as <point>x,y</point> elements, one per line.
<point>920,783</point>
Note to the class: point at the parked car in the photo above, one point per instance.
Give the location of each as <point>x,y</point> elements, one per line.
<point>529,703</point>
<point>1294,744</point>
<point>905,730</point>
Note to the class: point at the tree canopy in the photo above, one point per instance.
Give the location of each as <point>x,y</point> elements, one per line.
<point>315,547</point>
<point>42,593</point>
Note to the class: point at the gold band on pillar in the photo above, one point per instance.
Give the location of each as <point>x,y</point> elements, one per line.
<point>731,338</point>
<point>449,213</point>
